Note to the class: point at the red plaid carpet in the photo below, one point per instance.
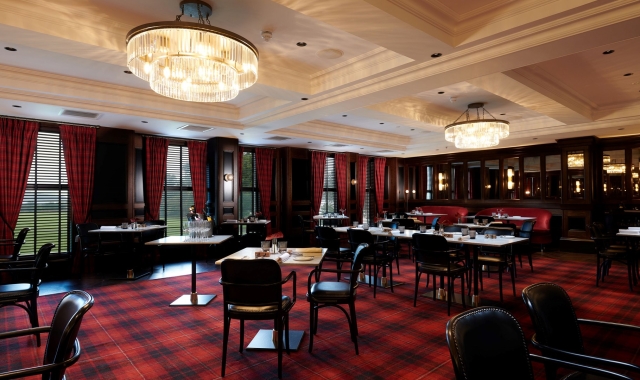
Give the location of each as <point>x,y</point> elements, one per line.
<point>132,333</point>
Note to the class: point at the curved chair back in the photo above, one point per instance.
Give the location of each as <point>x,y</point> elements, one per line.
<point>64,330</point>
<point>357,237</point>
<point>87,239</point>
<point>434,222</point>
<point>431,249</point>
<point>251,240</point>
<point>251,282</point>
<point>363,250</point>
<point>19,241</point>
<point>42,257</point>
<point>526,229</point>
<point>488,343</point>
<point>328,238</point>
<point>554,319</point>
<point>498,231</point>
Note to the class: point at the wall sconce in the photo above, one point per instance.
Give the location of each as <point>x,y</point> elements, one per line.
<point>353,182</point>
<point>605,187</point>
<point>228,177</point>
<point>440,181</point>
<point>413,191</point>
<point>510,178</point>
<point>578,189</point>
<point>527,192</point>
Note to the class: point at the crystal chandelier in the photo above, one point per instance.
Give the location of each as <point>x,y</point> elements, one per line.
<point>189,61</point>
<point>477,133</point>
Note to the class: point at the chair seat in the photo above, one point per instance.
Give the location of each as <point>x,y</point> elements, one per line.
<point>454,268</point>
<point>492,259</point>
<point>330,292</point>
<point>15,290</point>
<point>286,304</point>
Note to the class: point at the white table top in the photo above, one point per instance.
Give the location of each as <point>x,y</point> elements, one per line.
<point>249,254</point>
<point>118,229</point>
<point>631,231</point>
<point>322,217</point>
<point>515,218</point>
<point>425,214</point>
<point>185,240</point>
<point>238,222</point>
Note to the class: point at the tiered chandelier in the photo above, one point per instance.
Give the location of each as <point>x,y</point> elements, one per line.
<point>189,61</point>
<point>476,133</point>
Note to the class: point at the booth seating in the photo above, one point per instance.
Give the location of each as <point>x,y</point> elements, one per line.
<point>451,212</point>
<point>541,230</point>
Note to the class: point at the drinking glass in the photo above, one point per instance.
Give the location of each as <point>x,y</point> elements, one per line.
<point>266,245</point>
<point>355,224</point>
<point>365,226</point>
<point>423,228</point>
<point>401,229</point>
<point>282,246</point>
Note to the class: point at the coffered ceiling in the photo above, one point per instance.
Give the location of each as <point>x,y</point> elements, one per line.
<point>367,71</point>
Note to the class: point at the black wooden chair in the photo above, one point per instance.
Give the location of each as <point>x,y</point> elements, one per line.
<point>502,258</point>
<point>13,246</point>
<point>557,329</point>
<point>23,284</point>
<point>525,232</point>
<point>62,348</point>
<point>328,238</point>
<point>488,343</point>
<point>377,258</point>
<point>305,230</point>
<point>608,252</point>
<point>329,293</point>
<point>435,257</point>
<point>92,245</point>
<point>252,290</point>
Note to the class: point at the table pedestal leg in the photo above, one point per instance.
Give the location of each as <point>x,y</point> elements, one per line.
<point>193,299</point>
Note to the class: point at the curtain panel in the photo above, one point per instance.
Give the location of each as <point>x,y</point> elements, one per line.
<point>318,162</point>
<point>79,146</point>
<point>362,185</point>
<point>198,166</point>
<point>341,179</point>
<point>18,140</point>
<point>379,163</point>
<point>155,171</point>
<point>264,169</point>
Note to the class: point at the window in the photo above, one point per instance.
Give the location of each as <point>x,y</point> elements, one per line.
<point>45,207</point>
<point>369,195</point>
<point>329,201</point>
<point>250,196</point>
<point>177,195</point>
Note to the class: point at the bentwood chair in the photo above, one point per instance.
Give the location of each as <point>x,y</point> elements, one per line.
<point>435,257</point>
<point>92,245</point>
<point>501,258</point>
<point>13,246</point>
<point>62,348</point>
<point>525,232</point>
<point>557,329</point>
<point>488,343</point>
<point>329,238</point>
<point>336,293</point>
<point>252,290</point>
<point>607,252</point>
<point>377,258</point>
<point>23,284</point>
<point>305,230</point>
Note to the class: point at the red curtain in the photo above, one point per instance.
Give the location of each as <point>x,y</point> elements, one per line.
<point>17,144</point>
<point>198,166</point>
<point>341,179</point>
<point>379,163</point>
<point>264,168</point>
<point>318,162</point>
<point>362,184</point>
<point>79,145</point>
<point>155,170</point>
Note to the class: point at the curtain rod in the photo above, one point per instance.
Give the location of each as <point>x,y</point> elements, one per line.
<point>49,121</point>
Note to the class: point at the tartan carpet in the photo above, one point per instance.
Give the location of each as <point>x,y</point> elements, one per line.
<point>132,333</point>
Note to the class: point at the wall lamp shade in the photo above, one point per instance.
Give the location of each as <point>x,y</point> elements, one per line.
<point>476,133</point>
<point>192,61</point>
<point>510,178</point>
<point>353,182</point>
<point>228,177</point>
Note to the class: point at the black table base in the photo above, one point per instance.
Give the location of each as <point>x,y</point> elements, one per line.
<point>264,340</point>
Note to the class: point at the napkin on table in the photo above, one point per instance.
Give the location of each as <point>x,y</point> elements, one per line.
<point>284,257</point>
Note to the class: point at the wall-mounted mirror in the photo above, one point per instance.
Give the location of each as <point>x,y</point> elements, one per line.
<point>492,179</point>
<point>613,174</point>
<point>531,177</point>
<point>428,175</point>
<point>457,181</point>
<point>553,177</point>
<point>442,182</point>
<point>474,180</point>
<point>575,174</point>
<point>512,177</point>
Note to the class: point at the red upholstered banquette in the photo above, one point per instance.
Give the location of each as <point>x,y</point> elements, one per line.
<point>541,230</point>
<point>451,212</point>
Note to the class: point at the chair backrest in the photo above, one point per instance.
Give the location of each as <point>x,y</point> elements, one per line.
<point>526,228</point>
<point>434,222</point>
<point>431,249</point>
<point>64,329</point>
<point>251,240</point>
<point>363,250</point>
<point>408,223</point>
<point>19,241</point>
<point>452,229</point>
<point>87,239</point>
<point>488,343</point>
<point>502,225</point>
<point>251,282</point>
<point>357,237</point>
<point>554,319</point>
<point>498,231</point>
<point>328,237</point>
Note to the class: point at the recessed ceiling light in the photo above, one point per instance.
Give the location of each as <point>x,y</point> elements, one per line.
<point>413,129</point>
<point>436,55</point>
<point>381,123</point>
<point>10,48</point>
<point>302,44</point>
<point>128,72</point>
<point>308,142</point>
<point>620,129</point>
<point>608,51</point>
<point>344,115</point>
<point>17,106</point>
<point>304,98</point>
<point>242,133</point>
<point>535,138</point>
<point>361,148</point>
<point>440,92</point>
<point>502,114</point>
<point>628,74</point>
<point>144,122</point>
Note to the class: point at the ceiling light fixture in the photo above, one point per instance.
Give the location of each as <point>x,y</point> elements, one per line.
<point>477,133</point>
<point>10,49</point>
<point>192,61</point>
<point>606,52</point>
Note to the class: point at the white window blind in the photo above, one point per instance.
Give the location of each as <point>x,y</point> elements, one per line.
<point>177,195</point>
<point>250,196</point>
<point>329,201</point>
